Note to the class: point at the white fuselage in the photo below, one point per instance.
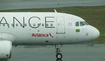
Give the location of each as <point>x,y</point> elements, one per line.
<point>38,28</point>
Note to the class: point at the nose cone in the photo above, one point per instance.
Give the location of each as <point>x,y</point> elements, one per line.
<point>96,33</point>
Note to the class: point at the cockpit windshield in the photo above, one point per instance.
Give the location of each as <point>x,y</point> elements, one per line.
<point>86,23</point>
<point>81,23</point>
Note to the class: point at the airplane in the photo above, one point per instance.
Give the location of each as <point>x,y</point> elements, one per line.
<point>42,28</point>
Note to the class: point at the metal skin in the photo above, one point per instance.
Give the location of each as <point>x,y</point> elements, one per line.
<point>44,28</point>
<point>63,28</point>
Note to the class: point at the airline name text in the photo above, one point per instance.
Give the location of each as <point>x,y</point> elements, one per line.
<point>33,22</point>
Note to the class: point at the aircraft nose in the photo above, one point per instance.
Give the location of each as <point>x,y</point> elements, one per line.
<point>96,33</point>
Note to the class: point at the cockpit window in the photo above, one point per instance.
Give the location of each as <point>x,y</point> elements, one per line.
<point>82,24</point>
<point>77,24</point>
<point>86,23</point>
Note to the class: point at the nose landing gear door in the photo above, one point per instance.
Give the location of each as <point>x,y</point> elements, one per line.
<point>60,23</point>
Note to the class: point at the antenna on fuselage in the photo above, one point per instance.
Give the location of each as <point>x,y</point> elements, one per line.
<point>55,11</point>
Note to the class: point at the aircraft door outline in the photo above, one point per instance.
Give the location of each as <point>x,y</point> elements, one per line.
<point>60,23</point>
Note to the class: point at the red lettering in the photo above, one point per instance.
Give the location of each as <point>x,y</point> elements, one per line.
<point>50,35</point>
<point>47,35</point>
<point>41,35</point>
<point>32,35</point>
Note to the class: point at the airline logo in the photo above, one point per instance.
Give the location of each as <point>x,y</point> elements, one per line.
<point>41,35</point>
